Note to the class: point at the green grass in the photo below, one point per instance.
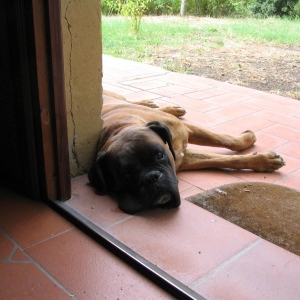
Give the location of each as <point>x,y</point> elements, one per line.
<point>207,32</point>
<point>274,30</point>
<point>119,41</point>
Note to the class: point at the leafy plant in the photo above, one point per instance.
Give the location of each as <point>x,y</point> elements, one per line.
<point>217,8</point>
<point>111,7</point>
<point>134,11</point>
<point>266,8</point>
<point>162,7</point>
<point>242,7</point>
<point>296,11</point>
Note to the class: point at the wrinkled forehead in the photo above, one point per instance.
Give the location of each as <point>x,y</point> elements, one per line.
<point>138,137</point>
<point>138,144</point>
<point>140,148</point>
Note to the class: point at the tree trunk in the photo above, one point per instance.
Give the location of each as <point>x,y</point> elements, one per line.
<point>182,8</point>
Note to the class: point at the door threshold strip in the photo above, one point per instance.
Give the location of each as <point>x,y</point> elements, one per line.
<point>142,265</point>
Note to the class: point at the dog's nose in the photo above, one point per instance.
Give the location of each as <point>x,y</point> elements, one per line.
<point>152,177</point>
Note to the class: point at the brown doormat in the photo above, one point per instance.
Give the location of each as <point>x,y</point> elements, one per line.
<point>267,210</point>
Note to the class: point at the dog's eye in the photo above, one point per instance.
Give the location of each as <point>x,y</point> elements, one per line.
<point>160,156</point>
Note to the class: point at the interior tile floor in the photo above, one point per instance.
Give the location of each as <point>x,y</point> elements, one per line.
<point>43,256</point>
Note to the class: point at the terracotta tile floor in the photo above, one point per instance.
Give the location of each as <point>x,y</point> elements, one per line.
<point>42,256</point>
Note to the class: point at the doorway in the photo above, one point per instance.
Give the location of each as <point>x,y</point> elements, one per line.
<point>33,126</point>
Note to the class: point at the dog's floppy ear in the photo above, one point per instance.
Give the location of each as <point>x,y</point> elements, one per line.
<point>100,176</point>
<point>164,132</point>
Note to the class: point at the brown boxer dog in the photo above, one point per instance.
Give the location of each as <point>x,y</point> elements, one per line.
<point>142,147</point>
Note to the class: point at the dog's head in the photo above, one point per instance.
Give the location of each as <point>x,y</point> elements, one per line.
<point>137,167</point>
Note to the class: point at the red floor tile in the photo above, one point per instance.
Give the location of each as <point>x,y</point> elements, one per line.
<point>263,272</point>
<point>279,118</point>
<point>27,221</point>
<point>201,119</point>
<point>108,79</point>
<point>162,92</point>
<point>290,181</point>
<point>190,192</point>
<point>266,142</point>
<point>228,98</point>
<point>185,81</point>
<point>150,84</point>
<point>87,202</point>
<point>90,271</point>
<point>19,255</point>
<point>297,173</point>
<point>188,102</point>
<point>280,99</point>
<point>178,89</point>
<point>187,242</point>
<point>238,89</point>
<point>237,126</point>
<point>202,94</point>
<point>273,106</point>
<point>141,95</point>
<point>234,111</point>
<point>26,281</point>
<point>129,83</point>
<point>291,149</point>
<point>183,186</point>
<point>119,90</point>
<point>208,179</point>
<point>164,101</point>
<point>6,248</point>
<point>118,74</point>
<point>216,91</point>
<point>285,132</point>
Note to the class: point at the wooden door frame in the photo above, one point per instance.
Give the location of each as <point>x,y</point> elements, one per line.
<point>39,79</point>
<point>52,98</point>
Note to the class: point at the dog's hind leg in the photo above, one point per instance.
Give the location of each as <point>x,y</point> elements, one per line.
<point>204,137</point>
<point>259,162</point>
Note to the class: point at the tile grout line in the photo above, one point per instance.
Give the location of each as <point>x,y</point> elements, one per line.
<point>192,186</point>
<point>118,222</point>
<point>51,277</point>
<point>224,264</point>
<point>34,262</point>
<point>49,238</point>
<point>15,261</point>
<point>13,251</point>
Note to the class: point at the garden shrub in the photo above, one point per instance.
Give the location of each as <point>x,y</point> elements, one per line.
<point>212,8</point>
<point>296,11</point>
<point>134,11</point>
<point>154,7</point>
<point>267,8</point>
<point>163,7</point>
<point>216,8</point>
<point>111,7</point>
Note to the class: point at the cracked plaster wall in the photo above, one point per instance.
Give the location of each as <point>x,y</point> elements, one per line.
<point>81,22</point>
